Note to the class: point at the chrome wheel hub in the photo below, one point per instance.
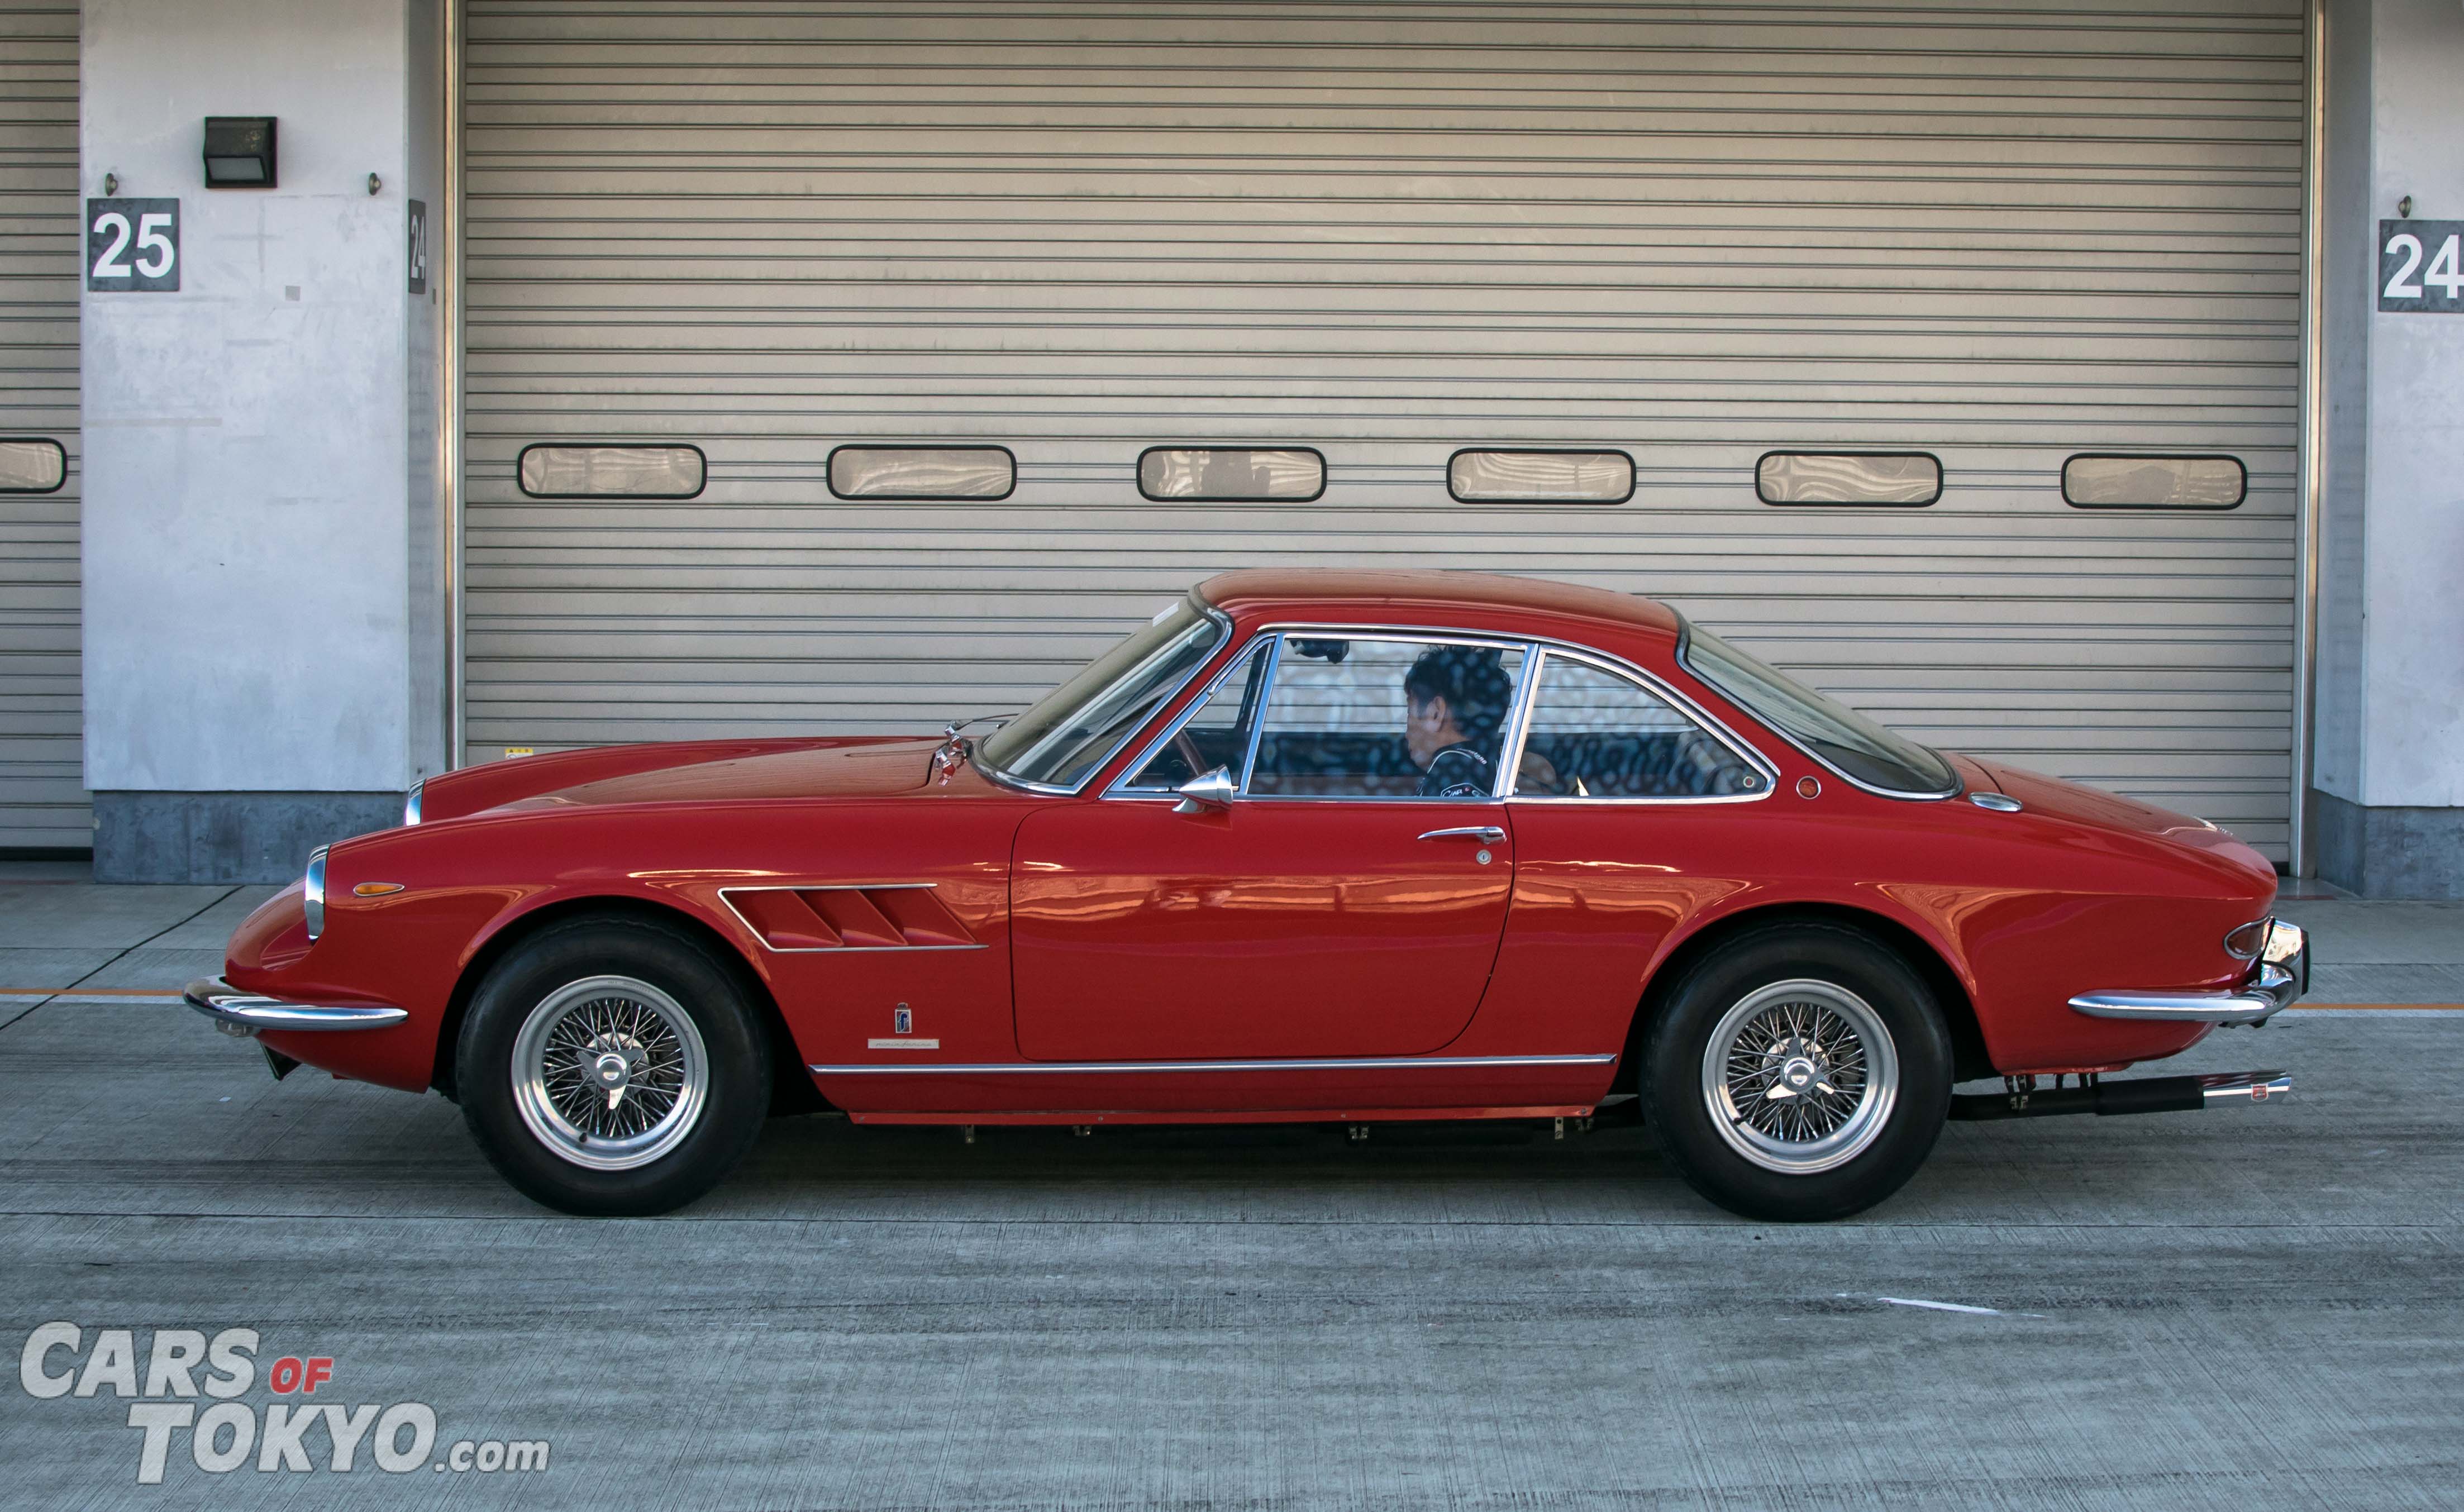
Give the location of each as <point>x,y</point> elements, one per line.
<point>1799,1076</point>
<point>610,1073</point>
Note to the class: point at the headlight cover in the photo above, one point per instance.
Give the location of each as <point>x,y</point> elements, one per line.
<point>314,890</point>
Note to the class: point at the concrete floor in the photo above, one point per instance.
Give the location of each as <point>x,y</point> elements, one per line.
<point>2200,1310</point>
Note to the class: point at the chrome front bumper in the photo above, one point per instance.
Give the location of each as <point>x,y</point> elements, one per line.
<point>2278,978</point>
<point>244,1013</point>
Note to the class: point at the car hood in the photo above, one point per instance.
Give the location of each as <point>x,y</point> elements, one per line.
<point>877,769</point>
<point>2094,808</point>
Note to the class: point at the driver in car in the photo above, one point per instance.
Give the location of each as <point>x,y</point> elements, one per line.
<point>1455,698</point>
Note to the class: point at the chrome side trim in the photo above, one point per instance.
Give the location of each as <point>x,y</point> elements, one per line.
<point>1083,1067</point>
<point>410,802</point>
<point>2281,978</point>
<point>245,1013</point>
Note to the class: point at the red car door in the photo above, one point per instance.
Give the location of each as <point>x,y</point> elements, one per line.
<point>1330,909</point>
<point>1263,931</point>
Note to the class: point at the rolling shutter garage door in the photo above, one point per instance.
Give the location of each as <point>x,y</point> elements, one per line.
<point>1389,230</point>
<point>42,785</point>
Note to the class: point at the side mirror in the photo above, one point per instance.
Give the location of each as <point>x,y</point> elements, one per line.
<point>1207,790</point>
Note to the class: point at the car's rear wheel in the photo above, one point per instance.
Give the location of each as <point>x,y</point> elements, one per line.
<point>1801,1072</point>
<point>611,1067</point>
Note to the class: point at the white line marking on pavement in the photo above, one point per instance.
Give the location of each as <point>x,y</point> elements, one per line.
<point>1955,1306</point>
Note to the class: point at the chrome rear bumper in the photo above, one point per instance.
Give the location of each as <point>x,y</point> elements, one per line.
<point>244,1013</point>
<point>2278,979</point>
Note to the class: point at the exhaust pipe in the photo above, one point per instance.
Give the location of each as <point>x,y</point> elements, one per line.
<point>2021,1098</point>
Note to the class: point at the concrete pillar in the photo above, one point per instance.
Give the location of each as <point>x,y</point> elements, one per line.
<point>2389,800</point>
<point>262,670</point>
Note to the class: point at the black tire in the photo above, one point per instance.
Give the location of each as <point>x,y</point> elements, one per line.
<point>1781,1174</point>
<point>682,1157</point>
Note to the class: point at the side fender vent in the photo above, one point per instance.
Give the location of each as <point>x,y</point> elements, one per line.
<point>887,916</point>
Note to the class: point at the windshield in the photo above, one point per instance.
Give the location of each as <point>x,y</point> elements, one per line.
<point>1075,727</point>
<point>1846,740</point>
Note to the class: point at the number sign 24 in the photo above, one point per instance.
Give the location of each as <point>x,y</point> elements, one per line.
<point>132,245</point>
<point>2420,265</point>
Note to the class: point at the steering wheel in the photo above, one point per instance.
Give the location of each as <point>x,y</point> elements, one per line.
<point>1190,756</point>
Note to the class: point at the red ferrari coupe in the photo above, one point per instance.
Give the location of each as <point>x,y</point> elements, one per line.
<point>1311,846</point>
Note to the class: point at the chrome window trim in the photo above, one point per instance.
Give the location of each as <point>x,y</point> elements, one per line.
<point>1533,646</point>
<point>1096,770</point>
<point>1119,787</point>
<point>1083,1067</point>
<point>1684,707</point>
<point>1958,781</point>
<point>1258,731</point>
<point>750,927</point>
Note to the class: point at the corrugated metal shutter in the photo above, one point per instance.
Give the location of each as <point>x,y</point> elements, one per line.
<point>2000,235</point>
<point>42,787</point>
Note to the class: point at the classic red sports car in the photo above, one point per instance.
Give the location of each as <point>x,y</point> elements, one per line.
<point>1327,847</point>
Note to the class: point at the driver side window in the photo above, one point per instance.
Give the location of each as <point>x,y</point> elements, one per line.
<point>1385,716</point>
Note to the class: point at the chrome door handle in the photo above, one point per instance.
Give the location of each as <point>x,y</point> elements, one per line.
<point>1486,834</point>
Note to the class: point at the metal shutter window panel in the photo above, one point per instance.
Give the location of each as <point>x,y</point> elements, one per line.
<point>1805,477</point>
<point>628,471</point>
<point>1540,477</point>
<point>2001,234</point>
<point>43,802</point>
<point>2139,482</point>
<point>1235,474</point>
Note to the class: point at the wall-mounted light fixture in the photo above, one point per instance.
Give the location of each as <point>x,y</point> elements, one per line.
<point>239,152</point>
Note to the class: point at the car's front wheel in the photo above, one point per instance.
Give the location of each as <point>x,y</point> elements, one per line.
<point>611,1068</point>
<point>1802,1072</point>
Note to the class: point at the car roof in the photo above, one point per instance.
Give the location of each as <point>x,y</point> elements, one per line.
<point>1361,596</point>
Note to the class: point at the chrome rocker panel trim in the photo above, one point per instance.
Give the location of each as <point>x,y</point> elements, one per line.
<point>2283,976</point>
<point>1081,1067</point>
<point>245,1013</point>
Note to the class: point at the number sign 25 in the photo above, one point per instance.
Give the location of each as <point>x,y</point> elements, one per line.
<point>2420,265</point>
<point>132,244</point>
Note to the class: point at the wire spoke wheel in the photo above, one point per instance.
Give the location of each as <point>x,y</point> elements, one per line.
<point>609,1073</point>
<point>1800,1076</point>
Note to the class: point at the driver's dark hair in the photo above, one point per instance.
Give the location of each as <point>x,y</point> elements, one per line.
<point>1470,680</point>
